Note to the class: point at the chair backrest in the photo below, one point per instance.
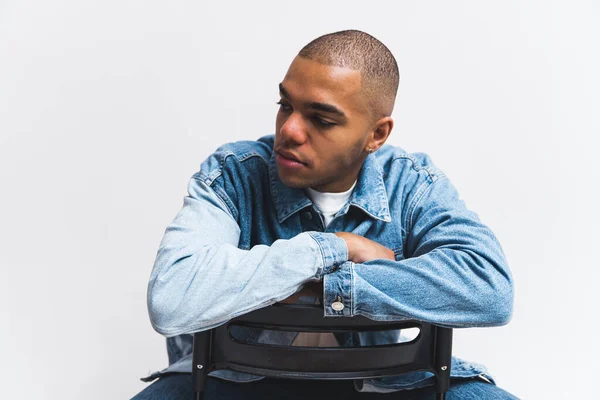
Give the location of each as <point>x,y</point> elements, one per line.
<point>217,348</point>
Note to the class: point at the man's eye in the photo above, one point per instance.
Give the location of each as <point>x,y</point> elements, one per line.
<point>323,123</point>
<point>284,106</point>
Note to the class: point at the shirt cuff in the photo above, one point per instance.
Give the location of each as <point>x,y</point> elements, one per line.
<point>334,250</point>
<point>338,292</point>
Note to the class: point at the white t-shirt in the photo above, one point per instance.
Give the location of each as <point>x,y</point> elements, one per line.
<point>329,203</point>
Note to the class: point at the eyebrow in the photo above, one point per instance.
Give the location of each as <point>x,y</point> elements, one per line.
<point>316,105</point>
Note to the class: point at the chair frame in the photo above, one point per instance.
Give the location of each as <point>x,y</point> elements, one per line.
<point>216,349</point>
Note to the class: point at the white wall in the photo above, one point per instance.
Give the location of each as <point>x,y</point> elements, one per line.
<point>108,107</point>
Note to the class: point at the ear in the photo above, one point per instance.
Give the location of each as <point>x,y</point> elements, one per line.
<point>381,131</point>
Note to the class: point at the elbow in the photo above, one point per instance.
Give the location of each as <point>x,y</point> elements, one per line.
<point>502,312</point>
<point>168,310</point>
<point>496,307</point>
<point>163,316</point>
<point>173,311</point>
<point>167,318</point>
<point>504,297</point>
<point>168,299</point>
<point>177,295</point>
<point>169,321</point>
<point>162,300</point>
<point>496,294</point>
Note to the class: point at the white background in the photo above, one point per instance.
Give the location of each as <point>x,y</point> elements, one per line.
<point>108,107</point>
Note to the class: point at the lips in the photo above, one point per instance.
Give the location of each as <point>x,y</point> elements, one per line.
<point>290,156</point>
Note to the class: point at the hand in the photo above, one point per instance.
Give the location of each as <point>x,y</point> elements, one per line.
<point>309,289</point>
<point>361,249</point>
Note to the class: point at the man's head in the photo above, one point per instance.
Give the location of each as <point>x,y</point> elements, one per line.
<point>336,100</point>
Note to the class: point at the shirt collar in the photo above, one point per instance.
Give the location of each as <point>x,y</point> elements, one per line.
<point>369,193</point>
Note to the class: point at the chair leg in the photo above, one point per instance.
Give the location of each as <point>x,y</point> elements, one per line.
<point>200,362</point>
<point>199,379</point>
<point>443,361</point>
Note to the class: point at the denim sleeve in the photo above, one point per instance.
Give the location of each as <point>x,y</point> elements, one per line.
<point>201,279</point>
<point>456,275</point>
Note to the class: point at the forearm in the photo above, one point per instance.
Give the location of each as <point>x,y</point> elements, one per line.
<point>456,273</point>
<point>201,279</point>
<point>447,287</point>
<point>207,287</point>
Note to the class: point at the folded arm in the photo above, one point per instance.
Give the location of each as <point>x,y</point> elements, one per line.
<point>201,279</point>
<point>456,274</point>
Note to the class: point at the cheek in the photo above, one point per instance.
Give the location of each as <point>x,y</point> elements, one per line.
<point>344,159</point>
<point>354,153</point>
<point>351,153</point>
<point>337,161</point>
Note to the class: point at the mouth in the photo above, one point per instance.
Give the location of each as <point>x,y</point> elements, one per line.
<point>288,160</point>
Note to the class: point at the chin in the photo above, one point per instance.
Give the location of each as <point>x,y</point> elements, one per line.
<point>295,182</point>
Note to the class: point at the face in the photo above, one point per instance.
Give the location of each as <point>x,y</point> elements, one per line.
<point>324,122</point>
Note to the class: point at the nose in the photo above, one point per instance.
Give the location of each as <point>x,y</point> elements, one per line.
<point>292,129</point>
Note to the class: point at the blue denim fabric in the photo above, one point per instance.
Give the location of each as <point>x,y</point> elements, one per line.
<point>179,387</point>
<point>243,240</point>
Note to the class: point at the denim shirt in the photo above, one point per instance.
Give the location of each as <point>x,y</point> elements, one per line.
<point>243,240</point>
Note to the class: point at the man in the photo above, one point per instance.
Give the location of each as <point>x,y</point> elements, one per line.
<point>324,207</point>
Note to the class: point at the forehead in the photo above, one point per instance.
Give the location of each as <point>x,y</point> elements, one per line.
<point>309,81</point>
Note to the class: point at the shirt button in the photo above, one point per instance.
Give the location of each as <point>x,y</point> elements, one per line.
<point>337,306</point>
<point>308,215</point>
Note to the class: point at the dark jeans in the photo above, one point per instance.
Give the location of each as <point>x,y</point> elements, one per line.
<point>179,387</point>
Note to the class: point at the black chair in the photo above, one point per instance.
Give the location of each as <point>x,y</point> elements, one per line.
<point>217,348</point>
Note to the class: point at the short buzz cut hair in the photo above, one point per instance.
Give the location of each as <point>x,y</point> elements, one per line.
<point>360,51</point>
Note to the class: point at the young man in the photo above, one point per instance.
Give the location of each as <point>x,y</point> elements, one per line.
<point>324,207</point>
